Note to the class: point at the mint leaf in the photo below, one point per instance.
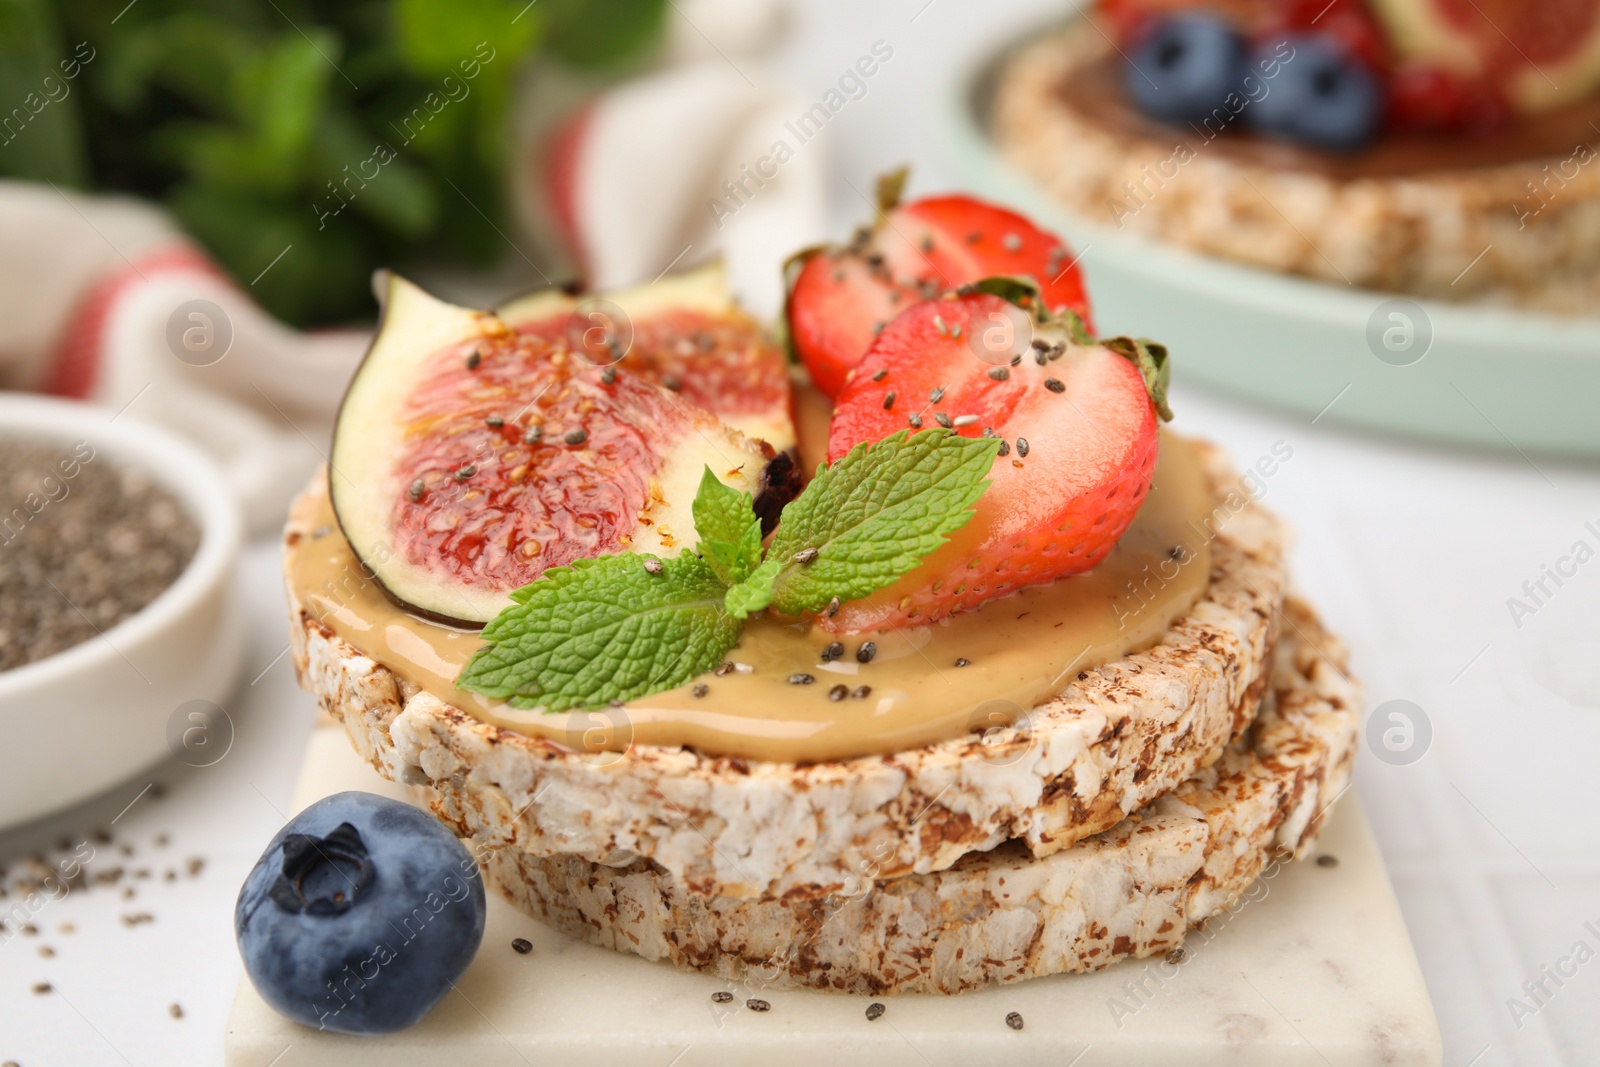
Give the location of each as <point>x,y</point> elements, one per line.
<point>873,515</point>
<point>601,630</point>
<point>729,531</point>
<point>755,592</point>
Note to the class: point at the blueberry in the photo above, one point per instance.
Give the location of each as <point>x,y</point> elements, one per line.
<point>1185,68</point>
<point>1319,96</point>
<point>360,915</point>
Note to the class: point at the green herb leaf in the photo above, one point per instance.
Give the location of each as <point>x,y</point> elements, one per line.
<point>891,187</point>
<point>730,533</point>
<point>1018,289</point>
<point>1077,329</point>
<point>755,592</point>
<point>601,630</point>
<point>873,515</point>
<point>1151,359</point>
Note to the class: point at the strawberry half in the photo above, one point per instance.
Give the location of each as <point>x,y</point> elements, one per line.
<point>840,297</point>
<point>1079,420</point>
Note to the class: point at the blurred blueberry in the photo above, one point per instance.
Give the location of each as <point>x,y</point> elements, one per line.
<point>1185,67</point>
<point>1320,96</point>
<point>360,915</point>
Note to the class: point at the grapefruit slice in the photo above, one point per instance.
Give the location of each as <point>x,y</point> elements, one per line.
<point>1539,55</point>
<point>684,332</point>
<point>469,457</point>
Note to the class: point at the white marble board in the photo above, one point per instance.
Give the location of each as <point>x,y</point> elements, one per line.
<point>1314,968</point>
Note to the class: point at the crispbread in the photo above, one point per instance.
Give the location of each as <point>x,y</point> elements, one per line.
<point>1118,737</point>
<point>1004,915</point>
<point>1410,233</point>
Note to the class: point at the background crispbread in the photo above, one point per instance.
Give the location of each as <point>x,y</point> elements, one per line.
<point>1410,234</point>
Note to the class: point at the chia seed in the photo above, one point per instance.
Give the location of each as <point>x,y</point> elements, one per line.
<point>999,374</point>
<point>522,945</point>
<point>914,420</point>
<point>963,662</point>
<point>414,493</point>
<point>495,421</point>
<point>608,376</point>
<point>1327,861</point>
<point>805,555</point>
<point>875,1012</point>
<point>1022,447</point>
<point>936,394</point>
<point>575,437</point>
<point>701,689</point>
<point>473,359</point>
<point>888,400</point>
<point>833,607</point>
<point>880,374</point>
<point>721,996</point>
<point>861,692</point>
<point>757,1004</point>
<point>838,693</point>
<point>867,650</point>
<point>84,544</point>
<point>1055,385</point>
<point>942,419</point>
<point>1014,1020</point>
<point>534,435</point>
<point>801,678</point>
<point>832,652</point>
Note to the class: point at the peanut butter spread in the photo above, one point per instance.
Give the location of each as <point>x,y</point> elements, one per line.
<point>909,687</point>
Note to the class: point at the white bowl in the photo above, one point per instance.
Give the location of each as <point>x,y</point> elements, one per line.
<point>83,719</point>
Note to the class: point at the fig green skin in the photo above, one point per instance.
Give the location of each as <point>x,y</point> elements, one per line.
<point>399,944</point>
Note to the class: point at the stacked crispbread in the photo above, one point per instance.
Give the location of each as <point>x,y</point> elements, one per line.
<point>1142,799</point>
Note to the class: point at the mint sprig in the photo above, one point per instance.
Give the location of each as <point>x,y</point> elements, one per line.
<point>603,629</point>
<point>621,627</point>
<point>875,514</point>
<point>729,530</point>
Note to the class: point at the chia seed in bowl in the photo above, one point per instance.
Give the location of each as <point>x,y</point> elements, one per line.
<point>85,542</point>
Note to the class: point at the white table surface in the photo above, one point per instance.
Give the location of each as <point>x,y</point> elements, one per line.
<point>1492,837</point>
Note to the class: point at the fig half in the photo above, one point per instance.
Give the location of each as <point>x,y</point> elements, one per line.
<point>469,456</point>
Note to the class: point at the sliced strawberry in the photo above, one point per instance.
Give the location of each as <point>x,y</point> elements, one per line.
<point>840,297</point>
<point>1079,423</point>
<point>1427,97</point>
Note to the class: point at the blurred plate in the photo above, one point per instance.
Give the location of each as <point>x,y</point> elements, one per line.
<point>1457,373</point>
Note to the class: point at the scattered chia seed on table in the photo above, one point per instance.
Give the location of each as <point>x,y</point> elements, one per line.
<point>105,536</point>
